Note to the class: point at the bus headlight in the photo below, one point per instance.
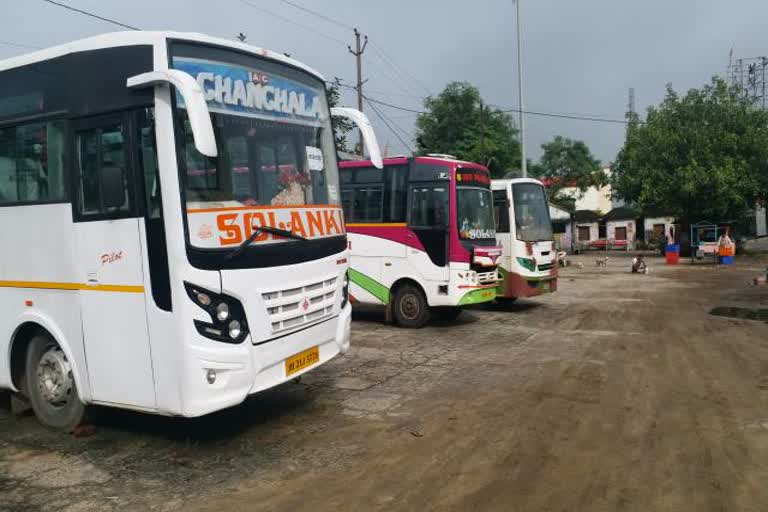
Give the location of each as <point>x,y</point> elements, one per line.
<point>234,329</point>
<point>222,311</point>
<point>228,322</point>
<point>527,263</point>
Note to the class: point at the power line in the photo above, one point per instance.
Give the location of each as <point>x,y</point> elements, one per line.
<point>390,105</point>
<point>288,20</point>
<point>398,69</point>
<point>414,96</point>
<point>382,55</point>
<point>568,116</point>
<point>383,120</point>
<point>393,79</point>
<point>507,110</point>
<point>92,15</point>
<point>19,45</point>
<point>319,15</point>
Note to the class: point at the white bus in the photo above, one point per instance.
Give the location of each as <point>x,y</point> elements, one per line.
<point>528,264</point>
<point>172,238</point>
<point>421,235</point>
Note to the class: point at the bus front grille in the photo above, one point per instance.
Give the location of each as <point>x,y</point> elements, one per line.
<point>294,308</point>
<point>488,277</point>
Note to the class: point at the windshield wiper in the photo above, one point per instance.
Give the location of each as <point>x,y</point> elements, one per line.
<point>256,232</point>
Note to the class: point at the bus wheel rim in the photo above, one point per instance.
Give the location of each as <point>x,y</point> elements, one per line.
<point>410,307</point>
<point>54,377</point>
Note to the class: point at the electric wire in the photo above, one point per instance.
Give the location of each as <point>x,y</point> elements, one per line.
<point>319,15</point>
<point>288,20</point>
<point>384,57</point>
<point>507,110</point>
<point>386,123</point>
<point>92,15</point>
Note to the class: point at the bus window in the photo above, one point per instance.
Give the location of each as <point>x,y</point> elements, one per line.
<point>237,149</point>
<point>429,206</point>
<point>531,212</point>
<point>364,204</point>
<point>474,213</point>
<point>501,208</point>
<point>96,149</point>
<point>397,187</point>
<point>201,170</point>
<point>31,163</point>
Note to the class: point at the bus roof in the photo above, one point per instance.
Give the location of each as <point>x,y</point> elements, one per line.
<point>143,37</point>
<point>517,180</point>
<point>400,160</point>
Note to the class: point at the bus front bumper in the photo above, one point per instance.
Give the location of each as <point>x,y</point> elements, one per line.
<point>516,285</point>
<point>240,370</point>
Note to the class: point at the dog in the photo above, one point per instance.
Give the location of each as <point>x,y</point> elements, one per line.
<point>602,262</point>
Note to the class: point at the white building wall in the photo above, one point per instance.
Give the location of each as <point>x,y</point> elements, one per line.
<point>651,221</point>
<point>594,199</point>
<point>761,229</point>
<point>611,225</point>
<point>593,230</point>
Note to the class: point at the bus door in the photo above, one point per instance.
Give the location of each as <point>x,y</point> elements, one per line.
<point>502,206</point>
<point>428,218</point>
<point>110,259</point>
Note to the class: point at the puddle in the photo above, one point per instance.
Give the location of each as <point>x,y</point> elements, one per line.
<point>742,313</point>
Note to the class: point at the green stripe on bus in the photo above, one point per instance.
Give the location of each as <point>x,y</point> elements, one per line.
<point>372,286</point>
<point>478,296</point>
<point>503,277</point>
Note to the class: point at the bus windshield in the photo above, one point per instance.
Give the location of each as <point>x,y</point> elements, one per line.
<point>276,163</point>
<point>474,208</point>
<point>532,221</point>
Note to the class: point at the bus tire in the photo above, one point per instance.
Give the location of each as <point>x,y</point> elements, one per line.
<point>447,313</point>
<point>410,308</point>
<point>506,300</point>
<point>50,385</point>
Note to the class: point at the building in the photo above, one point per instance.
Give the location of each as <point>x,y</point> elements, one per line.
<point>587,227</point>
<point>562,228</point>
<point>656,226</point>
<point>596,199</point>
<point>621,227</point>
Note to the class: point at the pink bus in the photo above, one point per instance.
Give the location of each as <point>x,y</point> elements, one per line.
<point>422,236</point>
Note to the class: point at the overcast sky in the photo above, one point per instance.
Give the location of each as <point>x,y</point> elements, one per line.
<point>580,56</point>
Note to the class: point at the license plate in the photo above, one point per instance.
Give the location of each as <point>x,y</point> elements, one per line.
<point>302,360</point>
<point>545,285</point>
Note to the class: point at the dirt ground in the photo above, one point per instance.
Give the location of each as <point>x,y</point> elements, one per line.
<point>619,392</point>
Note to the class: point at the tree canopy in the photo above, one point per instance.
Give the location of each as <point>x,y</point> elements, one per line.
<point>457,122</point>
<point>702,155</point>
<point>341,126</point>
<point>566,162</point>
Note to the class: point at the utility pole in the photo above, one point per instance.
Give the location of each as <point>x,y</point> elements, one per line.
<point>358,53</point>
<point>523,161</point>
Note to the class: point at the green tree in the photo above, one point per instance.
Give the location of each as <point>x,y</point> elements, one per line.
<point>457,122</point>
<point>703,155</point>
<point>341,126</point>
<point>567,162</point>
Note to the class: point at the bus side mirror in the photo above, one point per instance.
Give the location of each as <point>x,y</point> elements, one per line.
<point>112,187</point>
<point>369,136</point>
<point>194,103</point>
